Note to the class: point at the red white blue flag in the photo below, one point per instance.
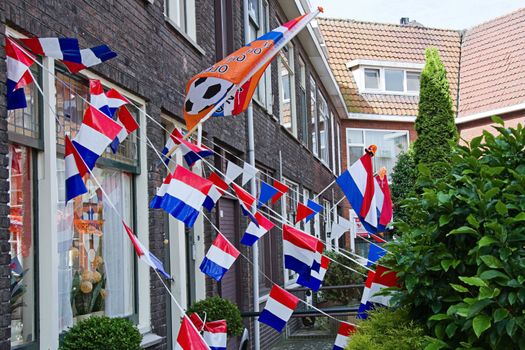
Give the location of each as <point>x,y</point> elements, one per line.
<point>315,280</point>
<point>299,250</point>
<point>279,308</point>
<point>173,139</point>
<point>254,233</point>
<point>18,74</point>
<point>75,171</point>
<point>192,153</point>
<point>115,100</point>
<point>226,88</point>
<point>185,195</point>
<point>98,98</point>
<point>96,132</point>
<point>217,190</point>
<point>246,201</point>
<point>128,123</point>
<point>156,202</point>
<point>219,258</point>
<point>189,338</point>
<point>375,282</point>
<point>215,334</point>
<point>358,185</point>
<point>144,254</point>
<point>343,334</point>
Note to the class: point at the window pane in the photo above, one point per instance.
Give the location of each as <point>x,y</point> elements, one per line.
<point>253,10</point>
<point>21,245</point>
<point>96,263</point>
<point>354,136</point>
<point>394,80</point>
<point>323,129</point>
<point>389,145</point>
<point>70,111</point>
<point>313,115</point>
<point>25,121</point>
<point>413,81</point>
<point>354,153</point>
<point>371,78</point>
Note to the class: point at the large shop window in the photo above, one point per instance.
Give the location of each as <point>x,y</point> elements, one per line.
<point>287,89</point>
<point>96,261</point>
<point>390,143</point>
<point>24,135</point>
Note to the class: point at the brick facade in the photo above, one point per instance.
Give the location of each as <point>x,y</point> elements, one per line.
<point>155,61</point>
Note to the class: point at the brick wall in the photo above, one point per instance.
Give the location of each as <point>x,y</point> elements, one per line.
<point>475,128</point>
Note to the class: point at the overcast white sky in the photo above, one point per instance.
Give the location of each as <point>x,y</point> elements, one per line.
<point>452,14</point>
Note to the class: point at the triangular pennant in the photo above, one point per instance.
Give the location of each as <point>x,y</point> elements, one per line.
<point>267,192</point>
<point>337,230</point>
<point>248,173</point>
<point>316,208</point>
<point>282,188</point>
<point>302,212</point>
<point>232,172</point>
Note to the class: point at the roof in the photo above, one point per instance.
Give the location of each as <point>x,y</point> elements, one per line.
<point>349,40</point>
<point>492,72</point>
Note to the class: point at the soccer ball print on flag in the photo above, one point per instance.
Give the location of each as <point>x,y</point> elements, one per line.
<point>279,308</point>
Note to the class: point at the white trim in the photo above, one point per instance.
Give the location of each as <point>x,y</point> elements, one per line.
<point>382,117</point>
<point>385,64</point>
<point>497,111</point>
<point>359,78</point>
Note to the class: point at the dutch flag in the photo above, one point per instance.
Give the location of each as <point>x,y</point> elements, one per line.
<point>156,202</point>
<point>18,75</point>
<point>75,171</point>
<point>98,98</point>
<point>144,254</point>
<point>115,100</point>
<point>279,308</point>
<point>64,49</point>
<point>128,123</point>
<point>376,281</point>
<point>219,258</point>
<point>95,134</point>
<point>315,280</point>
<point>246,201</point>
<point>90,57</point>
<point>215,334</point>
<point>345,330</point>
<point>216,191</point>
<point>173,139</point>
<point>189,338</point>
<point>193,153</point>
<point>358,185</point>
<point>185,195</point>
<point>254,233</point>
<point>299,250</point>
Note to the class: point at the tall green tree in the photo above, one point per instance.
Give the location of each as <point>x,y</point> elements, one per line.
<point>435,124</point>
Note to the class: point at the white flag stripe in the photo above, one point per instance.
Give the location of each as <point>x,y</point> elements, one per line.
<point>278,309</point>
<point>220,257</point>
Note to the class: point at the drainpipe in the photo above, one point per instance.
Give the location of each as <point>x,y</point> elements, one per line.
<point>253,190</point>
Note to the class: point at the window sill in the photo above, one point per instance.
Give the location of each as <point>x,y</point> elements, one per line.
<point>149,339</point>
<point>266,109</point>
<point>391,93</point>
<point>189,39</point>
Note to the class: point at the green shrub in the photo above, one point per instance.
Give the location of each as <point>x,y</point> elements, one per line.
<point>217,308</point>
<point>106,333</point>
<point>435,122</point>
<point>337,275</point>
<point>388,329</point>
<point>463,264</point>
<point>404,175</point>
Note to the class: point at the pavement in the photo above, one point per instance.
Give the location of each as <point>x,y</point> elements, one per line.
<point>305,344</point>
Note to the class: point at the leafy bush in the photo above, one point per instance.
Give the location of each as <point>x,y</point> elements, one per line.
<point>97,333</point>
<point>337,275</point>
<point>463,264</point>
<point>404,177</point>
<point>435,122</point>
<point>217,308</point>
<point>388,329</point>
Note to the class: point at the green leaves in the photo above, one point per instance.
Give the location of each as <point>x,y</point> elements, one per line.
<point>501,208</point>
<point>491,261</point>
<point>463,230</point>
<point>480,324</point>
<point>473,281</point>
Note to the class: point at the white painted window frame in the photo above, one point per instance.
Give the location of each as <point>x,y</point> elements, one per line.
<point>185,22</point>
<point>290,67</point>
<point>359,76</point>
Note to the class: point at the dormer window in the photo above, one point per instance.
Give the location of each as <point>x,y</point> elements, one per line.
<point>381,77</point>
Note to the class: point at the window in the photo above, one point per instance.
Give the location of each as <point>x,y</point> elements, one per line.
<point>223,28</point>
<point>24,136</point>
<point>324,124</point>
<point>388,80</point>
<point>307,225</point>
<point>287,89</point>
<point>259,18</point>
<point>96,261</point>
<point>371,78</point>
<point>313,116</point>
<point>288,211</point>
<point>327,213</point>
<point>181,13</point>
<point>302,109</point>
<point>413,81</point>
<point>389,144</point>
<point>338,148</point>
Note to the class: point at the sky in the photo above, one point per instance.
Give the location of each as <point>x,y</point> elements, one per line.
<point>450,14</point>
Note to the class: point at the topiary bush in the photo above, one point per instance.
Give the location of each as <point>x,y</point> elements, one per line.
<point>435,122</point>
<point>217,308</point>
<point>97,333</point>
<point>388,329</point>
<point>463,264</point>
<point>337,275</point>
<point>404,175</point>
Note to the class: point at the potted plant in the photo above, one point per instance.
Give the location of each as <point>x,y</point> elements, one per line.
<point>217,308</point>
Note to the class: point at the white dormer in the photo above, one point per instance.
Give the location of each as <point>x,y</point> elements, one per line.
<point>386,77</point>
